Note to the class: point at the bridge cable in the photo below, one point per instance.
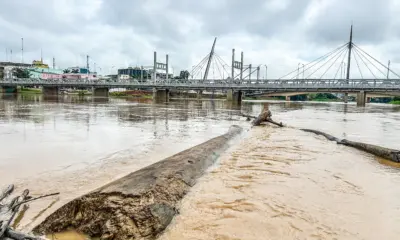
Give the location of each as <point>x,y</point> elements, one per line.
<point>333,63</point>
<point>218,58</point>
<point>304,70</point>
<point>384,74</point>
<point>340,66</point>
<point>358,65</point>
<point>197,67</point>
<point>223,63</point>
<point>200,66</point>
<point>219,70</point>
<point>341,51</point>
<point>364,63</point>
<point>322,57</point>
<point>376,60</point>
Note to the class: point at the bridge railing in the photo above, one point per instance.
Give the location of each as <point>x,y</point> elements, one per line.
<point>217,83</point>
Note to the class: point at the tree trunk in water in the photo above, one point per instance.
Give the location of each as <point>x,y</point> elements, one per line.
<point>142,204</point>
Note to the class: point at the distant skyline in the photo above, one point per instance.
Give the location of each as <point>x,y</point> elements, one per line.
<point>279,33</point>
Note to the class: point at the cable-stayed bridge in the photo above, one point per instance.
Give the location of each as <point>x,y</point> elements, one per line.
<point>332,72</point>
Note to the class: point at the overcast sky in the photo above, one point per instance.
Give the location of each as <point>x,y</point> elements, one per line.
<point>279,33</point>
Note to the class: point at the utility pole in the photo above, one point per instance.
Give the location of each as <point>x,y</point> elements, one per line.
<point>250,71</point>
<point>209,60</point>
<point>155,67</point>
<point>141,73</point>
<point>258,73</point>
<point>54,63</point>
<point>22,50</point>
<point>41,55</point>
<point>233,64</point>
<point>241,67</point>
<point>166,67</point>
<point>11,55</point>
<point>388,70</point>
<point>349,62</point>
<point>87,62</point>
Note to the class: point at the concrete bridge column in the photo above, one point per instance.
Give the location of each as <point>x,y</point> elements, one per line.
<point>361,99</point>
<point>235,97</point>
<point>100,92</point>
<point>346,98</point>
<point>199,94</point>
<point>50,91</point>
<point>229,95</point>
<point>160,95</point>
<point>7,89</point>
<point>287,98</point>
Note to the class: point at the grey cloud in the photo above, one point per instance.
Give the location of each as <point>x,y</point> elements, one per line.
<point>370,18</point>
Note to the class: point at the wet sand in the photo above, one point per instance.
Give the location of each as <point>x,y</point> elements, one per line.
<point>287,184</point>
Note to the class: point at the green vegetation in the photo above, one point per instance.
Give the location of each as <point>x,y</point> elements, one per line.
<point>131,93</point>
<point>30,90</point>
<point>21,73</point>
<point>323,97</point>
<point>396,100</point>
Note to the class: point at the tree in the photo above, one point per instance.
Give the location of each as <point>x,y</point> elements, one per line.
<point>21,73</point>
<point>184,74</point>
<point>66,71</point>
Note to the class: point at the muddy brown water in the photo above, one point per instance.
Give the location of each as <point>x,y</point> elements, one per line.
<point>275,184</point>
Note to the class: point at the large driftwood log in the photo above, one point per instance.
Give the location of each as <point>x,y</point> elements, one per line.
<point>265,116</point>
<point>328,136</point>
<point>387,153</point>
<point>141,204</point>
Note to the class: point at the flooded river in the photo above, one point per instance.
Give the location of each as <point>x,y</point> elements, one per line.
<point>274,184</point>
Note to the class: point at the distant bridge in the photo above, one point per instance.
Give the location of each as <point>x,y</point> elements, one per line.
<point>233,87</point>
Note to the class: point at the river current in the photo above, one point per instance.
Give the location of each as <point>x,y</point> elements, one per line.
<point>273,184</point>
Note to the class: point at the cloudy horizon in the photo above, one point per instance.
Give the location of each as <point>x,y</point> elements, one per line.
<point>277,33</point>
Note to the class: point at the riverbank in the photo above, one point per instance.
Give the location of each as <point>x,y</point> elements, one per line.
<point>286,184</point>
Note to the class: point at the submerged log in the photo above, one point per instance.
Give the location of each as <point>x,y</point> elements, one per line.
<point>328,136</point>
<point>387,153</point>
<point>141,204</point>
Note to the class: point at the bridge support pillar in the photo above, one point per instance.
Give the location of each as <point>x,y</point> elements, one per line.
<point>235,97</point>
<point>100,92</point>
<point>160,95</point>
<point>346,98</point>
<point>287,98</point>
<point>50,91</point>
<point>361,99</point>
<point>199,94</point>
<point>7,89</point>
